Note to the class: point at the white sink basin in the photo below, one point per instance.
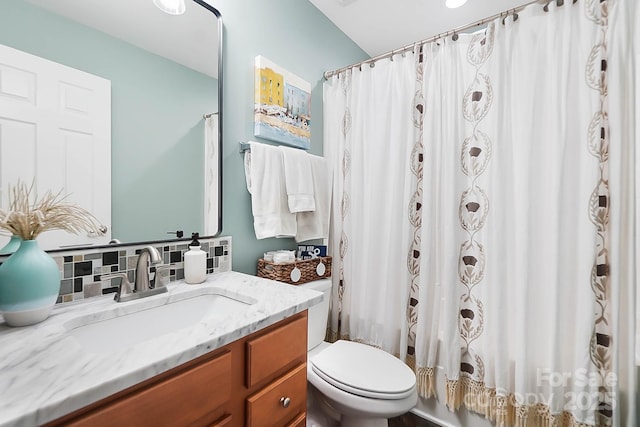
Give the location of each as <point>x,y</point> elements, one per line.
<point>142,322</point>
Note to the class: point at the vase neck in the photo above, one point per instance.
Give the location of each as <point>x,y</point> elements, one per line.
<point>29,243</point>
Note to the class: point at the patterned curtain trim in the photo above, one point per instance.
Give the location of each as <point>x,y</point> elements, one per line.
<point>425,378</point>
<point>426,382</point>
<point>503,410</point>
<point>602,340</point>
<point>474,207</point>
<point>414,210</point>
<point>345,170</point>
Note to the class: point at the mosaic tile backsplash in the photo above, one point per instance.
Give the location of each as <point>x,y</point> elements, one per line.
<point>80,270</point>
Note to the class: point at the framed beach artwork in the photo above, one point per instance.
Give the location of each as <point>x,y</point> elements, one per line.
<point>282,110</point>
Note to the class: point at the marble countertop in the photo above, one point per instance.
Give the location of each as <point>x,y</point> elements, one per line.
<point>46,373</point>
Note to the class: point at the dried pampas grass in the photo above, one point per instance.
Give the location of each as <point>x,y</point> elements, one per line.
<point>28,219</point>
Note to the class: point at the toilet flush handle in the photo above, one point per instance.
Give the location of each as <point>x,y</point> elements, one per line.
<point>285,402</point>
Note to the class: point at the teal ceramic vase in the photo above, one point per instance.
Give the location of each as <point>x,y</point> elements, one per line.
<point>11,246</point>
<point>29,285</point>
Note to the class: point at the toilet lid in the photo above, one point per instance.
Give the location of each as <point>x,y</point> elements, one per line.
<point>363,370</point>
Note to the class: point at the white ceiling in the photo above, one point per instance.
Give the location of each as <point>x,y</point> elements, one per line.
<point>190,39</point>
<point>379,26</point>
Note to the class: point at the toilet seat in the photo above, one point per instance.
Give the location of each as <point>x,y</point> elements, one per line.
<point>364,371</point>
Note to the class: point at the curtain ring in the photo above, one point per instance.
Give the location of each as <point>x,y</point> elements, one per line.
<point>455,36</point>
<point>504,18</point>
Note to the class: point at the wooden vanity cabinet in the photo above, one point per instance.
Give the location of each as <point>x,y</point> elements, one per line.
<point>257,381</point>
<point>282,355</point>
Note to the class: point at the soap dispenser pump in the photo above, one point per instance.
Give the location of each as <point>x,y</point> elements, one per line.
<point>195,262</point>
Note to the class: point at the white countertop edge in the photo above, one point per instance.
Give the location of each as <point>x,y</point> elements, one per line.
<point>78,378</point>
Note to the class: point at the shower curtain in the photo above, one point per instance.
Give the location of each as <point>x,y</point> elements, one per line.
<point>370,142</point>
<point>484,214</point>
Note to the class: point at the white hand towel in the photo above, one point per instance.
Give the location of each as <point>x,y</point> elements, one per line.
<point>315,225</point>
<point>298,180</point>
<point>264,172</point>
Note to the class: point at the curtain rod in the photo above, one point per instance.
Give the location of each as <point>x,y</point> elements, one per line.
<point>328,74</point>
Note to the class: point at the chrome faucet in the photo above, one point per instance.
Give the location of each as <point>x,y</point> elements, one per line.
<point>143,286</point>
<point>148,256</point>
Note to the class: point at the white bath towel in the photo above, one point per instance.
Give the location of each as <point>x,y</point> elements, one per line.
<point>264,172</point>
<point>315,225</point>
<point>298,180</point>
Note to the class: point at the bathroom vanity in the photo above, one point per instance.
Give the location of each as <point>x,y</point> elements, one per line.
<point>234,365</point>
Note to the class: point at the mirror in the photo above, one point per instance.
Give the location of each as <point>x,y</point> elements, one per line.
<point>166,75</point>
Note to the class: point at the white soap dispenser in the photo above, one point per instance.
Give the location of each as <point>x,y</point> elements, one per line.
<point>195,262</point>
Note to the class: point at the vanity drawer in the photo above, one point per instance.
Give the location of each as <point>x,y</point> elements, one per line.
<point>300,421</point>
<point>269,354</point>
<point>192,397</point>
<point>266,408</point>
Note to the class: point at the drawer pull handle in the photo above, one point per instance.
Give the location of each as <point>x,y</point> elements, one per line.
<point>285,402</point>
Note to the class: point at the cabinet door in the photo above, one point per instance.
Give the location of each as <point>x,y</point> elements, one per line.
<point>193,397</point>
<point>270,353</point>
<point>279,402</point>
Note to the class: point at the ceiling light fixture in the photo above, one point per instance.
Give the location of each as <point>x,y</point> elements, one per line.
<point>452,4</point>
<point>172,7</point>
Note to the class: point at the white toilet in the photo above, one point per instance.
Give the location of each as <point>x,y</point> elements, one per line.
<point>356,384</point>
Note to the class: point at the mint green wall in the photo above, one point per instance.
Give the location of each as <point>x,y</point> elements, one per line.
<point>296,36</point>
<point>157,134</point>
<point>291,33</point>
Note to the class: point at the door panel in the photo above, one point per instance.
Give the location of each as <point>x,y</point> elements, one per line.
<point>55,126</point>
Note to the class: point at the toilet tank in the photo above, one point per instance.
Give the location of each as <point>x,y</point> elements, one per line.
<point>319,313</point>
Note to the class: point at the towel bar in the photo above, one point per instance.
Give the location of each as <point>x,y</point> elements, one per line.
<point>245,146</point>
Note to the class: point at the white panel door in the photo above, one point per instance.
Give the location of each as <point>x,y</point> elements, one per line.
<point>55,127</point>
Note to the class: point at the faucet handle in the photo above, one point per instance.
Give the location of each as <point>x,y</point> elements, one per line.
<point>124,283</point>
<point>158,277</point>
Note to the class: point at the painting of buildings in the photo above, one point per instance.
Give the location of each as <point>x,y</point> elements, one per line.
<point>282,105</point>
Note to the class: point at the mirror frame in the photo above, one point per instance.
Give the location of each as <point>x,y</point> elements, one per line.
<point>217,14</point>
